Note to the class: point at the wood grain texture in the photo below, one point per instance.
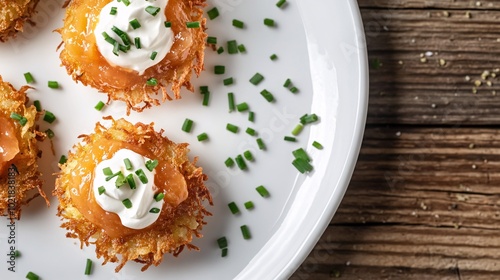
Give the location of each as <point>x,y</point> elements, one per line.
<point>424,200</point>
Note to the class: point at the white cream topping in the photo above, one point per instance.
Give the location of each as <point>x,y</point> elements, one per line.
<point>141,198</point>
<point>153,34</point>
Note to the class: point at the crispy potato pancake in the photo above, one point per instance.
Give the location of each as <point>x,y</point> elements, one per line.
<point>13,15</point>
<point>19,151</point>
<point>84,62</point>
<point>88,222</point>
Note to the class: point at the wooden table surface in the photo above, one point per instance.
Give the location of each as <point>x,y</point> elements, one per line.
<point>424,200</point>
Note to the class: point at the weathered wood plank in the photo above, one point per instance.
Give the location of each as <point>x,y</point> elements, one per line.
<point>430,4</point>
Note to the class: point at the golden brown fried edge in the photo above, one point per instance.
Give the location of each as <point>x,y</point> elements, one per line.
<point>25,175</point>
<point>173,232</point>
<point>13,15</point>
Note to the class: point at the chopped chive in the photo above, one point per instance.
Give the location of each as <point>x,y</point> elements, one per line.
<point>152,10</point>
<point>37,105</point>
<point>187,125</point>
<point>230,99</point>
<point>152,82</point>
<point>250,131</point>
<point>232,47</point>
<point>153,55</point>
<point>287,83</point>
<point>261,144</point>
<point>269,22</point>
<point>242,107</point>
<point>131,181</point>
<point>233,128</point>
<point>248,155</point>
<point>126,2</point>
<point>245,232</point>
<point>229,162</point>
<point>116,48</point>
<point>273,57</point>
<point>242,48</point>
<point>22,120</point>
<point>142,177</point>
<point>151,164</point>
<point>53,84</point>
<point>238,23</point>
<point>290,139</point>
<point>99,106</point>
<point>193,24</point>
<point>251,116</point>
<point>124,48</point>
<point>107,171</point>
<point>154,210</point>
<point>256,79</point>
<point>306,119</point>
<point>267,95</point>
<point>50,133</point>
<point>120,180</point>
<point>206,98</point>
<point>294,90</point>
<point>262,191</point>
<point>159,196</point>
<point>137,42</point>
<point>108,38</point>
<point>317,145</point>
<point>113,11</point>
<point>234,208</point>
<point>280,3</point>
<point>204,89</point>
<point>113,175</point>
<point>17,254</point>
<point>302,154</point>
<point>222,242</point>
<point>219,69</point>
<point>32,276</point>
<point>228,81</point>
<point>202,137</point>
<point>224,252</point>
<point>240,162</point>
<point>297,130</point>
<point>135,23</point>
<point>29,78</point>
<point>168,24</point>
<point>88,267</point>
<point>302,165</point>
<point>122,34</point>
<point>49,117</point>
<point>220,50</point>
<point>212,40</point>
<point>101,190</point>
<point>128,164</point>
<point>213,13</point>
<point>63,159</point>
<point>249,205</point>
<point>127,203</point>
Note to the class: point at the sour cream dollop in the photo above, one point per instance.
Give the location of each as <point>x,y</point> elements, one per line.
<point>113,199</point>
<point>152,33</point>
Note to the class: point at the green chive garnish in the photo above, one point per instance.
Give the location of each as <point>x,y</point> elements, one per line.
<point>202,137</point>
<point>29,78</point>
<point>101,190</point>
<point>302,154</point>
<point>290,139</point>
<point>113,175</point>
<point>228,81</point>
<point>116,48</point>
<point>127,203</point>
<point>107,171</point>
<point>63,159</point>
<point>245,232</point>
<point>154,210</point>
<point>229,162</point>
<point>193,24</point>
<point>131,181</point>
<point>248,155</point>
<point>49,117</point>
<point>249,205</point>
<point>297,130</point>
<point>306,119</point>
<point>242,107</point>
<point>128,164</point>
<point>204,89</point>
<point>234,208</point>
<point>152,10</point>
<point>50,133</point>
<point>53,84</point>
<point>123,35</point>
<point>269,22</point>
<point>219,69</point>
<point>262,191</point>
<point>159,196</point>
<point>273,57</point>
<point>152,82</point>
<point>168,24</point>
<point>17,254</point>
<point>142,177</point>
<point>206,98</point>
<point>135,23</point>
<point>267,95</point>
<point>251,116</point>
<point>99,106</point>
<point>220,50</point>
<point>261,144</point>
<point>222,242</point>
<point>294,90</point>
<point>302,165</point>
<point>212,40</point>
<point>120,180</point>
<point>233,128</point>
<point>32,276</point>
<point>213,13</point>
<point>224,252</point>
<point>126,2</point>
<point>280,3</point>
<point>88,267</point>
<point>108,38</point>
<point>230,99</point>
<point>113,11</point>
<point>238,23</point>
<point>232,47</point>
<point>153,55</point>
<point>37,105</point>
<point>242,48</point>
<point>256,79</point>
<point>187,125</point>
<point>240,162</point>
<point>22,120</point>
<point>250,131</point>
<point>287,83</point>
<point>317,145</point>
<point>151,164</point>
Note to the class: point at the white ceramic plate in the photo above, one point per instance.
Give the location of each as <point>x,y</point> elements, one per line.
<point>320,47</point>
